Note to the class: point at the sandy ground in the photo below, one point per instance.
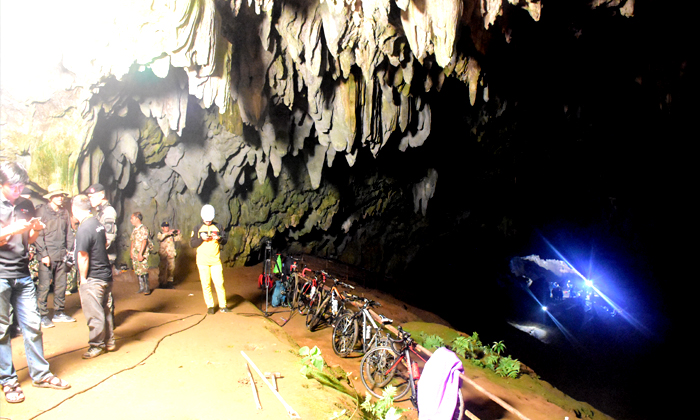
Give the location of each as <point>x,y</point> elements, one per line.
<point>173,361</point>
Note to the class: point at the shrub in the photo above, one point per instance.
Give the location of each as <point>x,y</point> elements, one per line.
<point>384,408</point>
<point>311,359</point>
<point>432,341</point>
<point>498,347</point>
<point>460,345</point>
<point>508,367</point>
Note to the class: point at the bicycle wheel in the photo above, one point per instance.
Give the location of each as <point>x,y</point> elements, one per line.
<point>382,367</point>
<point>344,335</point>
<point>292,293</point>
<point>320,312</point>
<point>314,304</point>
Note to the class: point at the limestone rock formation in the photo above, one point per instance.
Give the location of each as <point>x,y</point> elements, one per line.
<point>172,104</point>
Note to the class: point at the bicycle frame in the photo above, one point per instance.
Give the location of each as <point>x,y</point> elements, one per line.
<point>370,336</point>
<point>413,373</point>
<point>308,289</point>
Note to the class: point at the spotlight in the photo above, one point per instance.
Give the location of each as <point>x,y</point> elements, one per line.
<point>544,308</point>
<point>589,283</point>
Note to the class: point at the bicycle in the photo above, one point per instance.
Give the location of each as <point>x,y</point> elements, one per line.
<point>317,298</point>
<point>331,307</point>
<point>386,365</point>
<point>346,329</point>
<point>307,290</point>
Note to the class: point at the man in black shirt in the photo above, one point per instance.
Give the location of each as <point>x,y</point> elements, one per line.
<point>17,289</point>
<point>95,271</point>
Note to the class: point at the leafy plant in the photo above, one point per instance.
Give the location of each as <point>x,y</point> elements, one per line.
<point>473,345</point>
<point>311,360</point>
<point>498,347</point>
<point>508,367</point>
<point>491,361</point>
<point>384,408</point>
<point>460,345</point>
<point>475,338</point>
<point>432,341</point>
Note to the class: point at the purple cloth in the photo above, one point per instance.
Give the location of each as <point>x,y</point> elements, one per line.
<point>439,385</point>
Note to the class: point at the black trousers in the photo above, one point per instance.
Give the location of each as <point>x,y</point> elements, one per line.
<point>56,272</point>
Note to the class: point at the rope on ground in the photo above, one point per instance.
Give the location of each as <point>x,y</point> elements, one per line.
<point>130,367</point>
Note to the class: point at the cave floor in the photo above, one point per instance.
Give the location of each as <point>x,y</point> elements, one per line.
<point>173,361</point>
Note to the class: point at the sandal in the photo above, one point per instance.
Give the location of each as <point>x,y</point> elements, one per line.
<point>51,382</point>
<point>13,393</point>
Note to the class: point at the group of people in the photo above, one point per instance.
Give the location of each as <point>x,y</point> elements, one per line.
<point>141,246</point>
<point>91,247</point>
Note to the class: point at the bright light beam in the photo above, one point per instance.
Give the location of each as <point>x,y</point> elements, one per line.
<point>565,332</point>
<point>564,259</point>
<point>624,314</point>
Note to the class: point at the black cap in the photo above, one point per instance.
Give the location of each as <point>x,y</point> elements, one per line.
<point>95,188</point>
<point>164,224</point>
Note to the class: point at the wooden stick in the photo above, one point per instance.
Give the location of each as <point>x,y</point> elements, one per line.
<point>252,385</point>
<point>290,411</point>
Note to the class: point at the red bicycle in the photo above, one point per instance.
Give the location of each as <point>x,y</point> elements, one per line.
<point>392,365</point>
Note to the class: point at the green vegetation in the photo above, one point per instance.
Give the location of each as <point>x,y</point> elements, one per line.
<point>384,408</point>
<point>314,367</point>
<point>470,348</point>
<point>311,361</point>
<point>433,341</point>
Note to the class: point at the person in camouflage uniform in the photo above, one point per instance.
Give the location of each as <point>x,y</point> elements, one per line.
<point>167,253</point>
<point>139,251</point>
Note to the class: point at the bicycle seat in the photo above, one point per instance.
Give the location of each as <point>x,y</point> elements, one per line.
<point>385,320</point>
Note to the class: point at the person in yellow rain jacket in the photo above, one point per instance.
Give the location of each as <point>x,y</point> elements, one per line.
<point>207,239</point>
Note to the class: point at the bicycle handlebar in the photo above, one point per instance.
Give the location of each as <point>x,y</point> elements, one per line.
<point>342,283</point>
<point>404,337</point>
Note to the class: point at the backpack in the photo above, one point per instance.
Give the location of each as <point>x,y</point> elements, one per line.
<point>278,297</point>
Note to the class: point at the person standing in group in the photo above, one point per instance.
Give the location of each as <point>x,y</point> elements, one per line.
<point>51,247</point>
<point>139,251</point>
<point>167,253</point>
<point>207,238</point>
<point>17,291</point>
<point>95,273</point>
<point>107,216</point>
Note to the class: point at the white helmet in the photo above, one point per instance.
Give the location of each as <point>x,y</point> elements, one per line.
<point>208,213</point>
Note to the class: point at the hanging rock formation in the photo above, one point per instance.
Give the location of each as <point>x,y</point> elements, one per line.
<point>172,104</point>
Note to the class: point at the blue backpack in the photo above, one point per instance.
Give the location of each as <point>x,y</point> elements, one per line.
<point>278,296</point>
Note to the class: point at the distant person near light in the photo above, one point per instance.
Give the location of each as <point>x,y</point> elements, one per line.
<point>207,238</point>
<point>167,254</point>
<point>139,252</point>
<point>51,247</point>
<point>17,290</point>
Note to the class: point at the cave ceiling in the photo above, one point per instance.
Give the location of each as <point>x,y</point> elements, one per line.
<point>172,104</point>
<point>348,74</point>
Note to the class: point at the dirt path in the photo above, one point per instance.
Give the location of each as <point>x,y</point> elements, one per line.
<point>175,362</point>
